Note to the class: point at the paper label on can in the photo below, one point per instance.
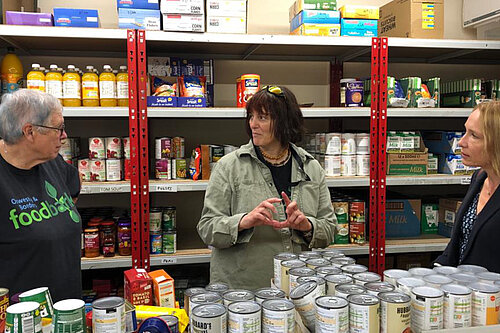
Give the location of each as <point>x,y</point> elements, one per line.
<point>364,318</point>
<point>394,317</point>
<point>248,323</point>
<point>209,325</point>
<point>278,321</point>
<point>457,311</point>
<point>307,309</point>
<point>109,321</point>
<point>426,313</point>
<point>332,320</point>
<point>485,308</point>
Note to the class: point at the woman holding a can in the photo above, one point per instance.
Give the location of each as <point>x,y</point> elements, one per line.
<point>267,197</point>
<point>476,229</point>
<point>40,226</point>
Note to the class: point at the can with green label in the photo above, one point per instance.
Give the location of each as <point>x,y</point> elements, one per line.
<point>341,209</point>
<point>69,316</point>
<point>42,296</point>
<point>169,241</point>
<point>24,317</point>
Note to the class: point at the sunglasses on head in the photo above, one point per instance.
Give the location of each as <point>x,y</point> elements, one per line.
<point>274,90</point>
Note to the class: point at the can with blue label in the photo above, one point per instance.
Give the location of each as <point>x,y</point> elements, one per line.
<point>156,243</point>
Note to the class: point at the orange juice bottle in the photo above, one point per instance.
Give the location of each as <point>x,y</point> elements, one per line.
<point>35,78</point>
<point>53,82</point>
<point>71,87</point>
<point>11,70</point>
<point>122,86</point>
<point>107,87</point>
<point>90,87</point>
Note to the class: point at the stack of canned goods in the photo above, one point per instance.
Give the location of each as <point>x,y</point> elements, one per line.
<point>70,150</point>
<point>162,229</point>
<point>403,142</point>
<point>351,222</point>
<point>341,154</point>
<point>105,162</point>
<point>170,158</point>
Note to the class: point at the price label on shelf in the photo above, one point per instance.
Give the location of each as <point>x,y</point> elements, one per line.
<point>110,189</point>
<point>85,190</point>
<point>465,180</point>
<point>169,260</point>
<point>166,188</point>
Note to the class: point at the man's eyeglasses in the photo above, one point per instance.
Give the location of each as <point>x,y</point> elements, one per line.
<point>60,129</point>
<point>275,90</point>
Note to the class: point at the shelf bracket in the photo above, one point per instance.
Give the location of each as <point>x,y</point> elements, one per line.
<point>451,55</point>
<point>15,44</point>
<point>250,51</point>
<point>352,54</point>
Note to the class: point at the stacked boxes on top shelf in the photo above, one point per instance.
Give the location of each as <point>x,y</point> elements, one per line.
<point>361,21</point>
<point>184,16</point>
<point>314,17</point>
<point>227,16</point>
<point>139,14</point>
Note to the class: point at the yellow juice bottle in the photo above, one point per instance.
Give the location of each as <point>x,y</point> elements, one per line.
<point>122,86</point>
<point>90,87</point>
<point>107,87</point>
<point>71,87</point>
<point>53,82</point>
<point>36,78</point>
<point>11,70</point>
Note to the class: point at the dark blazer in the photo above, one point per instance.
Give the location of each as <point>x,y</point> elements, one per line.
<point>483,248</point>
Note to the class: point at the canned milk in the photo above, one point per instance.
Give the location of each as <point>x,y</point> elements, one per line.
<point>96,148</point>
<point>113,147</point>
<point>114,170</point>
<point>304,297</point>
<point>426,309</point>
<point>277,265</point>
<point>485,303</point>
<point>278,315</point>
<point>457,306</point>
<point>333,143</point>
<point>392,275</point>
<point>405,285</point>
<point>264,294</point>
<point>244,317</point>
<point>375,288</point>
<point>348,142</point>
<point>395,312</point>
<point>436,280</point>
<point>318,279</point>
<point>296,273</point>
<point>334,280</point>
<point>488,277</point>
<point>333,165</point>
<point>332,315</point>
<point>344,290</point>
<point>363,143</point>
<point>364,313</point>
<point>362,165</point>
<point>237,295</point>
<point>209,318</point>
<point>348,165</point>
<point>108,315</point>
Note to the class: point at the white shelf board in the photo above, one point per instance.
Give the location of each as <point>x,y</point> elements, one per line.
<point>61,32</point>
<point>95,112</point>
<point>101,262</point>
<point>439,179</point>
<point>429,113</point>
<point>180,259</point>
<point>105,187</point>
<point>443,43</point>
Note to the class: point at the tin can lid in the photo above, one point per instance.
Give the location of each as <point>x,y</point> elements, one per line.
<point>318,262</point>
<point>239,295</point>
<point>23,307</point>
<point>339,278</point>
<point>302,271</point>
<point>303,290</point>
<point>267,293</point>
<point>211,310</point>
<point>206,297</point>
<point>363,299</point>
<point>394,297</point>
<point>379,286</point>
<point>294,263</point>
<point>426,291</point>
<point>410,282</point>
<point>457,289</point>
<point>464,278</point>
<point>309,255</point>
<point>155,210</point>
<point>91,230</point>
<point>285,256</point>
<point>367,277</point>
<point>354,268</point>
<point>217,287</point>
<point>472,268</point>
<point>318,279</point>
<point>244,307</point>
<point>446,270</point>
<point>327,270</point>
<point>35,291</point>
<point>484,287</point>
<point>171,320</point>
<point>153,325</point>
<point>437,279</point>
<point>396,273</point>
<point>331,302</point>
<point>69,305</point>
<point>350,288</point>
<point>343,261</point>
<point>278,305</point>
<point>108,303</point>
<point>489,276</point>
<point>3,291</point>
<point>347,80</point>
<point>420,271</point>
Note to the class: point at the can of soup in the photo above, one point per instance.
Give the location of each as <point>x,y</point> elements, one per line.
<point>285,268</point>
<point>392,275</point>
<point>172,322</point>
<point>375,288</point>
<point>278,315</point>
<point>237,295</point>
<point>339,262</point>
<point>209,318</point>
<point>446,270</point>
<point>306,255</point>
<point>277,265</point>
<point>163,148</point>
<point>327,270</point>
<point>304,297</point>
<point>114,170</point>
<point>353,269</point>
<point>464,279</point>
<point>244,317</point>
<point>485,303</point>
<point>420,272</point>
<point>191,292</point>
<point>436,280</point>
<point>42,296</point>
<point>344,290</point>
<point>84,169</point>
<point>395,312</point>
<point>4,304</point>
<point>314,263</point>
<point>108,315</point>
<point>126,147</point>
<point>426,309</point>
<point>334,280</point>
<point>364,313</point>
<point>296,273</point>
<point>457,306</point>
<point>318,279</point>
<point>264,294</point>
<point>332,315</point>
<point>217,287</point>
<point>203,299</point>
<point>365,277</point>
<point>97,170</point>
<point>472,269</point>
<point>341,209</point>
<point>488,277</point>
<point>69,316</point>
<point>405,285</point>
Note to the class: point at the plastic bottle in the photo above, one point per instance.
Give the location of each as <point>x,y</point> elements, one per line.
<point>122,86</point>
<point>53,82</point>
<point>36,78</point>
<point>90,87</point>
<point>11,70</point>
<point>107,87</point>
<point>71,87</point>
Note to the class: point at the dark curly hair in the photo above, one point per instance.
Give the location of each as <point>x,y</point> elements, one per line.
<point>286,117</point>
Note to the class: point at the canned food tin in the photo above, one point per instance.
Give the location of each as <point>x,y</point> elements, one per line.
<point>153,324</point>
<point>320,143</point>
<point>426,309</point>
<point>96,148</point>
<point>113,147</point>
<point>250,84</point>
<point>217,287</point>
<point>351,93</point>
<point>66,150</point>
<point>304,297</point>
<point>405,285</point>
<point>169,241</point>
<point>163,169</point>
<point>395,311</point>
<point>169,218</point>
<point>278,315</point>
<point>114,170</point>
<point>344,290</point>
<point>334,280</point>
<point>244,317</point>
<point>296,273</point>
<point>318,279</point>
<point>331,253</point>
<point>304,256</point>
<point>457,306</point>
<point>314,263</point>
<point>155,216</point>
<point>209,318</point>
<point>436,280</point>
<point>365,277</point>
<point>42,296</point>
<point>485,303</point>
<point>156,243</point>
<point>126,147</point>
<point>362,165</point>
<point>4,304</point>
<point>327,270</point>
<point>446,270</point>
<point>341,209</point>
<point>488,277</point>
<point>472,269</point>
<point>97,170</point>
<point>339,262</point>
<point>464,279</point>
<point>333,143</point>
<point>203,299</point>
<point>178,147</point>
<point>237,295</point>
<point>392,275</point>
<point>357,211</point>
<point>420,271</point>
<point>348,165</point>
<point>23,317</point>
<point>353,269</point>
<point>84,169</point>
<point>332,315</point>
<point>264,294</point>
<point>180,168</point>
<point>333,165</point>
<point>191,292</point>
<point>172,322</point>
<point>163,148</point>
<point>285,268</point>
<point>375,288</point>
<point>364,313</point>
<point>348,142</point>
<point>69,316</point>
<point>363,143</point>
<point>277,265</point>
<point>108,315</point>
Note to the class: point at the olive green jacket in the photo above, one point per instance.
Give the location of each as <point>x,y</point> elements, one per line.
<point>240,182</point>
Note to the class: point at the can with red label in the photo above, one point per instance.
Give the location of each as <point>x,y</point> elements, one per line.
<point>163,169</point>
<point>113,147</point>
<point>250,84</point>
<point>128,169</point>
<point>96,148</point>
<point>4,304</point>
<point>126,147</point>
<point>97,170</point>
<point>163,148</point>
<point>357,232</point>
<point>84,169</point>
<point>114,170</point>
<point>238,92</point>
<point>178,147</point>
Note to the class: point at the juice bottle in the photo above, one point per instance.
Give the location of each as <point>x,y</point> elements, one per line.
<point>107,87</point>
<point>90,87</point>
<point>71,87</point>
<point>122,86</point>
<point>11,70</point>
<point>53,82</point>
<point>35,78</point>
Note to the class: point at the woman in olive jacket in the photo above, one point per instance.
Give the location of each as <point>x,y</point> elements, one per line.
<point>267,197</point>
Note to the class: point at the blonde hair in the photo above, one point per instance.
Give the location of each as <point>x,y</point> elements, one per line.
<point>490,122</point>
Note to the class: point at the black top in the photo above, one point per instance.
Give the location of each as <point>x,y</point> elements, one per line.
<point>467,224</point>
<point>40,238</point>
<point>282,175</point>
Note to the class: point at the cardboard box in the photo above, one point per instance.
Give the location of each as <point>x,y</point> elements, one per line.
<point>195,7</point>
<point>301,5</point>
<point>316,17</point>
<point>162,101</point>
<point>23,18</point>
<point>402,218</point>
<point>407,164</point>
<point>138,287</point>
<point>308,29</point>
<point>183,23</point>
<point>17,6</point>
<point>138,4</point>
<point>445,229</point>
<point>192,102</point>
<point>225,8</point>
<point>430,218</point>
<point>412,18</point>
<point>358,27</point>
<point>448,208</point>
<point>144,19</point>
<point>452,164</point>
<point>360,12</point>
<point>230,25</point>
<point>69,17</point>
<point>442,142</point>
<point>163,286</point>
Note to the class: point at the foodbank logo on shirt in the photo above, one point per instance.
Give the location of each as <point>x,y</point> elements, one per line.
<point>62,204</point>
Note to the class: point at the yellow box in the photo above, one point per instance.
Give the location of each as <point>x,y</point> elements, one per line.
<point>309,29</point>
<point>359,12</point>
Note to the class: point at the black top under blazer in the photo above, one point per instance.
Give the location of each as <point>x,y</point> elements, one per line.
<point>483,248</point>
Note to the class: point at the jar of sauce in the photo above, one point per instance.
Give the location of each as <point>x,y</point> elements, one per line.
<point>91,242</point>
<point>124,238</point>
<point>108,239</point>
